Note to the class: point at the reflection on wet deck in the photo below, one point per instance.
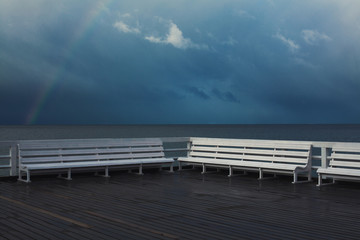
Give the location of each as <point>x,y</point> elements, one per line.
<point>185,205</point>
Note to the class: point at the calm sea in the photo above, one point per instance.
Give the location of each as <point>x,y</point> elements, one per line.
<point>343,133</point>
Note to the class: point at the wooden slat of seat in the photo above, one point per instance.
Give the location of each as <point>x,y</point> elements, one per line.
<point>79,164</point>
<point>250,151</point>
<point>96,164</point>
<point>253,143</point>
<point>154,160</point>
<point>349,149</point>
<point>249,157</point>
<point>340,171</point>
<point>88,143</point>
<point>335,163</point>
<point>345,156</point>
<point>26,153</point>
<point>89,157</point>
<point>235,163</point>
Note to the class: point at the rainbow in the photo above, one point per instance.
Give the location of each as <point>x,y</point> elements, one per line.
<point>84,27</point>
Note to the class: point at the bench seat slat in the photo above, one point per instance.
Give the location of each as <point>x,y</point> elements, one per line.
<point>89,143</point>
<point>335,163</point>
<point>340,171</point>
<point>26,153</point>
<point>249,157</point>
<point>346,149</point>
<point>95,164</point>
<point>345,156</point>
<point>237,163</point>
<point>254,143</point>
<point>250,151</point>
<point>89,157</point>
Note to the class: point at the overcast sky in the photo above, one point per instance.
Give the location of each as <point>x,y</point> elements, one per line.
<point>183,61</point>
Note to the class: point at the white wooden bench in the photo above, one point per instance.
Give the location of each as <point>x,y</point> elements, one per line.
<point>287,157</point>
<point>344,163</point>
<point>65,155</point>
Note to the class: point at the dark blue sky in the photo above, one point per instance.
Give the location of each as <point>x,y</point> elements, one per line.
<point>184,61</point>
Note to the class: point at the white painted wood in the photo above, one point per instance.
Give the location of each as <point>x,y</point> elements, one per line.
<point>56,159</point>
<point>89,153</point>
<point>251,157</point>
<point>250,151</point>
<point>349,164</point>
<point>344,163</point>
<point>260,155</point>
<point>346,156</point>
<point>250,142</point>
<point>97,150</point>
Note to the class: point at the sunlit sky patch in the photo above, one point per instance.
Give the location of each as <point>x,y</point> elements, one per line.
<point>160,61</point>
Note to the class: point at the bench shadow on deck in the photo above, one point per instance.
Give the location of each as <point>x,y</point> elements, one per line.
<point>184,205</point>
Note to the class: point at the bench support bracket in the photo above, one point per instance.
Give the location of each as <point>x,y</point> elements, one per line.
<point>68,175</point>
<point>261,175</point>
<point>27,177</point>
<point>304,181</point>
<point>320,183</point>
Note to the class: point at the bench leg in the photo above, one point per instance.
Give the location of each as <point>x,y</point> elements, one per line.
<point>295,177</point>
<point>68,174</point>
<point>230,171</point>
<point>172,168</point>
<point>303,181</point>
<point>204,168</point>
<point>319,180</point>
<point>141,170</point>
<point>320,183</point>
<point>107,171</point>
<point>27,176</point>
<point>261,175</point>
<point>180,167</point>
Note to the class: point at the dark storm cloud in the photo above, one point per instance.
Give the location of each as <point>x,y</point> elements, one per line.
<point>198,92</point>
<point>225,96</point>
<point>218,61</point>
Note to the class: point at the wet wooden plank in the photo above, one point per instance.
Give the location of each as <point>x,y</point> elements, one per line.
<point>181,205</point>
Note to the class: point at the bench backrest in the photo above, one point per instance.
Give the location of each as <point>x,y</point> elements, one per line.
<point>287,152</point>
<point>75,150</point>
<point>345,156</point>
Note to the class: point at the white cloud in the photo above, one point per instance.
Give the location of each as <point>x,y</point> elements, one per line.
<point>175,37</point>
<point>154,39</point>
<point>122,27</point>
<point>293,47</point>
<point>313,37</point>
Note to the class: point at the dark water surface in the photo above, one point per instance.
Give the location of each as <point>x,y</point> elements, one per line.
<point>343,133</point>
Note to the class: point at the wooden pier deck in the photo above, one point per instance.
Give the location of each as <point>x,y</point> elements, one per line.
<point>183,205</point>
